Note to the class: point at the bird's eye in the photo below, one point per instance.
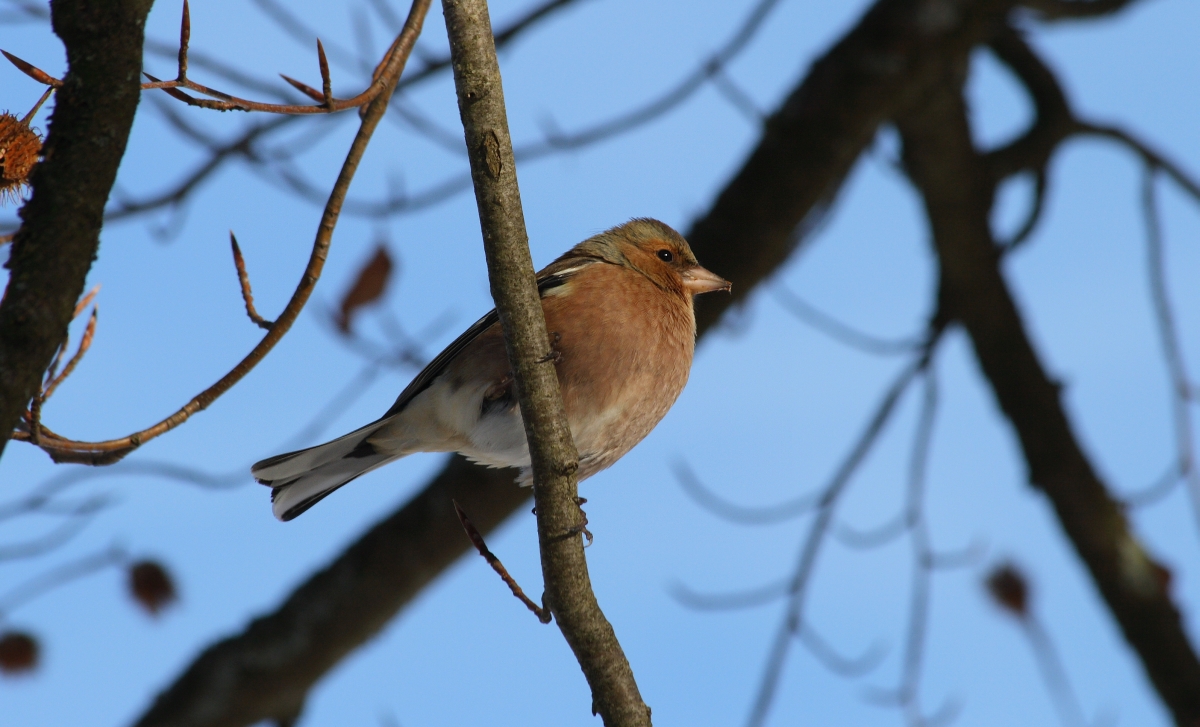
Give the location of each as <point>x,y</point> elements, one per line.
<point>665,256</point>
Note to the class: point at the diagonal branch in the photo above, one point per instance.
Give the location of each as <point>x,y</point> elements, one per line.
<point>553,456</point>
<point>944,165</point>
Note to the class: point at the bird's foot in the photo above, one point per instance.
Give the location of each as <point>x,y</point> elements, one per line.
<point>555,355</point>
<point>581,528</point>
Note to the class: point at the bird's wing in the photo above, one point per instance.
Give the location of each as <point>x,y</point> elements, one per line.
<point>552,276</point>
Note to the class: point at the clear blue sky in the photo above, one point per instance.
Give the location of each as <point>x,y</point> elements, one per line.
<point>771,407</point>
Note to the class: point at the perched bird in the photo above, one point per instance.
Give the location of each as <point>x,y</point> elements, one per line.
<point>618,309</point>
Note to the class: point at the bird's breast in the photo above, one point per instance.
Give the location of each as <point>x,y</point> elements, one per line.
<point>625,349</point>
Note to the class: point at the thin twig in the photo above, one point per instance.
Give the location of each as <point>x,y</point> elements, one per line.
<point>58,577</point>
<point>1149,155</point>
<point>244,280</point>
<point>84,344</point>
<point>77,521</point>
<point>734,512</point>
<point>674,96</point>
<point>1164,316</point>
<point>542,613</point>
<point>1054,673</point>
<point>839,331</point>
<point>793,618</point>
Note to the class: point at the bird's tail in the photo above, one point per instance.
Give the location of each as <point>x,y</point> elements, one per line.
<point>301,479</point>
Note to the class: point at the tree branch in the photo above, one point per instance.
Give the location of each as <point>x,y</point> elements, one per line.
<point>53,251</point>
<point>554,458</point>
<point>950,174</point>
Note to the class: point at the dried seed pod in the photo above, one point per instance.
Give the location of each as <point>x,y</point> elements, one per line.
<point>18,652</point>
<point>151,586</point>
<point>1009,589</point>
<point>19,150</point>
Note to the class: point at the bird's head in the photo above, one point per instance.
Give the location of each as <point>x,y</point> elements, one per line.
<point>662,255</point>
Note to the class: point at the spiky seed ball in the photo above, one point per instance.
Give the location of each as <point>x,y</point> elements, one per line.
<point>19,149</point>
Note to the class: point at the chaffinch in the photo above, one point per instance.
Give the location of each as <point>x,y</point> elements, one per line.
<point>618,308</point>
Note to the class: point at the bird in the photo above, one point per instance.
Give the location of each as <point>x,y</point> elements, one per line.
<point>619,312</point>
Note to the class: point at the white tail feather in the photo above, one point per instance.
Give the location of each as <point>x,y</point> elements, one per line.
<point>302,478</point>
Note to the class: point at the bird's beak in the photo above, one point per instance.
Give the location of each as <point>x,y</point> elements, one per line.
<point>698,280</point>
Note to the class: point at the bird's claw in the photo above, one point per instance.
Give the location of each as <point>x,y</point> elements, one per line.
<point>555,355</point>
<point>581,528</point>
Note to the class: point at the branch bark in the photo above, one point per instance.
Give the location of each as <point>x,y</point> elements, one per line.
<point>60,231</point>
<point>952,177</point>
<point>555,461</point>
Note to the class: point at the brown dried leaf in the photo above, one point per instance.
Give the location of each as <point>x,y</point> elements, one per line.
<point>372,281</point>
<point>18,652</point>
<point>151,586</point>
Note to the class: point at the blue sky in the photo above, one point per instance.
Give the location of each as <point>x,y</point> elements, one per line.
<point>771,408</point>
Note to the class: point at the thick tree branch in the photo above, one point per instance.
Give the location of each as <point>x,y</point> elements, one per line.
<point>951,175</point>
<point>53,250</point>
<point>555,461</point>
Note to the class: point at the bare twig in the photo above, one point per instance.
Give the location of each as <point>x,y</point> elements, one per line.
<point>77,520</point>
<point>1053,672</point>
<point>84,344</point>
<point>58,577</point>
<point>906,695</point>
<point>1164,485</point>
<point>244,281</point>
<point>793,618</point>
<point>542,613</point>
<point>1152,157</point>
<point>737,513</point>
<point>731,600</point>
<point>106,452</point>
<point>839,331</point>
<point>1182,389</point>
<point>712,67</point>
<point>242,146</point>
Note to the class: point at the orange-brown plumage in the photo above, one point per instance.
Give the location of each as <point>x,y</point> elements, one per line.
<point>618,308</point>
